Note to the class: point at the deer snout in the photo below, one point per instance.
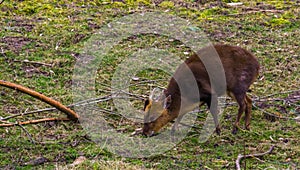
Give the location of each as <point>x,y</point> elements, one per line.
<point>147,130</point>
<point>148,134</point>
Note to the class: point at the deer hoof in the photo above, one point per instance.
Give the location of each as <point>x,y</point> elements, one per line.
<point>247,127</point>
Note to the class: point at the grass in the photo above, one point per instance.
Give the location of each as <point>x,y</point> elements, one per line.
<point>54,32</point>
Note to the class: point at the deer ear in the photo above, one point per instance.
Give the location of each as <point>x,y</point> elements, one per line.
<point>155,93</point>
<point>167,102</point>
<point>147,102</point>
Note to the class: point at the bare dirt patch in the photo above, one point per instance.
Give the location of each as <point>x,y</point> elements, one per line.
<point>14,44</point>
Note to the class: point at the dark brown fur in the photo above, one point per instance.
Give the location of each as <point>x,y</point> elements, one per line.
<point>241,69</point>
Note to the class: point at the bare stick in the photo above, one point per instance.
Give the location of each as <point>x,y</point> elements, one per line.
<point>2,121</point>
<point>28,113</point>
<point>35,121</point>
<point>240,157</point>
<point>254,10</point>
<point>27,133</point>
<point>71,114</point>
<point>33,62</point>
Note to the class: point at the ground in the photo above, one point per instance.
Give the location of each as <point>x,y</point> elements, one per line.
<point>41,42</point>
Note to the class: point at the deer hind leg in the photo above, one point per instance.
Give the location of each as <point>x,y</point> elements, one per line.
<point>241,100</point>
<point>248,112</point>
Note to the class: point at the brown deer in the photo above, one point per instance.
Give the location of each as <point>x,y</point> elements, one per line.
<point>236,70</point>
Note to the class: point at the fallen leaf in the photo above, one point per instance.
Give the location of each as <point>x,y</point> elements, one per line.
<point>79,160</point>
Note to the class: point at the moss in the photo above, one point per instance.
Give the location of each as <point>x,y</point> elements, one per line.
<point>118,4</point>
<point>167,4</point>
<point>289,15</point>
<point>206,14</point>
<point>143,2</point>
<point>279,22</point>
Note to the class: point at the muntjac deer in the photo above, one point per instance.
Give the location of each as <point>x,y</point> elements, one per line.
<point>240,69</point>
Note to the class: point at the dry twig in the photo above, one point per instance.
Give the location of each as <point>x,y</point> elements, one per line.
<point>28,113</point>
<point>34,62</point>
<point>20,125</point>
<point>240,157</point>
<point>27,133</point>
<point>251,10</point>
<point>34,121</point>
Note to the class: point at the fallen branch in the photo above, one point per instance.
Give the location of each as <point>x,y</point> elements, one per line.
<point>80,103</point>
<point>71,114</point>
<point>240,156</point>
<point>35,121</point>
